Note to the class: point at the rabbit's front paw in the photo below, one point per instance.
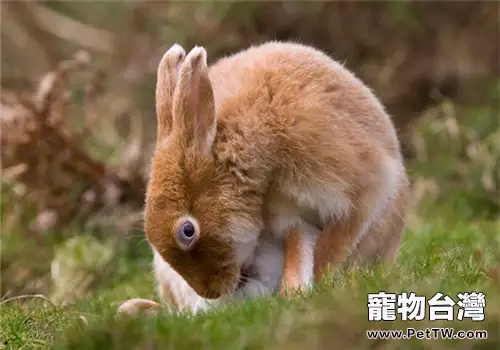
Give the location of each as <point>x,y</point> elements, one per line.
<point>136,306</point>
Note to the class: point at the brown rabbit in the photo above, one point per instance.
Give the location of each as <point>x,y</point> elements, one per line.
<point>276,144</point>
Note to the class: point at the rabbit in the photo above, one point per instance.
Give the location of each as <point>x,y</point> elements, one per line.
<point>278,144</point>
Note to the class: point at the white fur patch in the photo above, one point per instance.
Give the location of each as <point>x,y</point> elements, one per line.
<point>184,295</point>
<point>308,243</point>
<point>268,268</point>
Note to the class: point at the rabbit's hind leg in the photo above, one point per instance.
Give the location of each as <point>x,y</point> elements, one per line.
<point>298,270</point>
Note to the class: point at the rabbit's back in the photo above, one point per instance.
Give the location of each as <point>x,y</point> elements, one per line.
<point>324,134</point>
<point>297,92</point>
<point>303,108</point>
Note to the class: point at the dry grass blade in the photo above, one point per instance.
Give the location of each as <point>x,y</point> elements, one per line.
<point>33,296</point>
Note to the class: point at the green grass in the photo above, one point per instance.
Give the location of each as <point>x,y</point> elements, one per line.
<point>444,255</point>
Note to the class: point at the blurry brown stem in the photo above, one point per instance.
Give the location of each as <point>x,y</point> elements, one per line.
<point>71,30</point>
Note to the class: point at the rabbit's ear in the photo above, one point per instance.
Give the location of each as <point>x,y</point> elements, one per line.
<point>168,71</point>
<point>194,107</point>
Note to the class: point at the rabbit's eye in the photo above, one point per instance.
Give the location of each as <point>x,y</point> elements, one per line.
<point>187,229</point>
<point>186,234</point>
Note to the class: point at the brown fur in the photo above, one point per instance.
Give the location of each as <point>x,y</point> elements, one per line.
<point>382,242</point>
<point>293,261</point>
<point>288,119</point>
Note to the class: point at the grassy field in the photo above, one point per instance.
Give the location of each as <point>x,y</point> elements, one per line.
<point>452,245</point>
<point>447,256</point>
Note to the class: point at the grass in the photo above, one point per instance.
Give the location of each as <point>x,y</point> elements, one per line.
<point>448,256</point>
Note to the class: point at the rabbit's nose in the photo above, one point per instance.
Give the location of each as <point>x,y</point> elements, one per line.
<point>212,291</point>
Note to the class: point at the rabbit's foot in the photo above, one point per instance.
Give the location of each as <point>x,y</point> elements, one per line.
<point>136,306</point>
